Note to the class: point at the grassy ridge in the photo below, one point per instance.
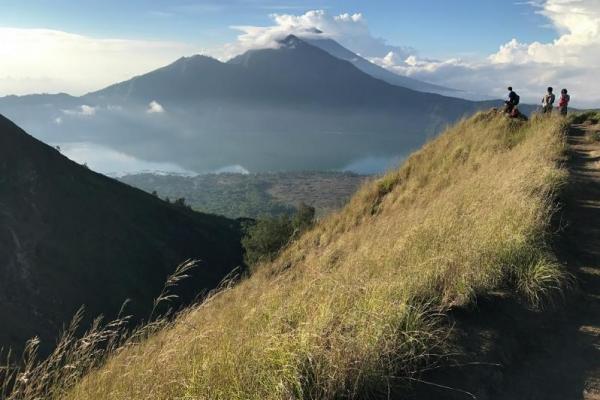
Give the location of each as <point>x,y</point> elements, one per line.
<point>354,308</point>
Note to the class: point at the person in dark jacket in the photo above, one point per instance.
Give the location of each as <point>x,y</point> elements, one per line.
<point>511,102</point>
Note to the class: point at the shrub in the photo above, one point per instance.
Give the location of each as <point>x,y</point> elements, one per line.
<point>267,236</point>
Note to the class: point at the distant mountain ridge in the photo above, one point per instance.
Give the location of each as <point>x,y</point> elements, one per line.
<point>71,237</point>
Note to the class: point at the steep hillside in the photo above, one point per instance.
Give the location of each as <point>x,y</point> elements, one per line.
<point>356,307</point>
<point>71,237</point>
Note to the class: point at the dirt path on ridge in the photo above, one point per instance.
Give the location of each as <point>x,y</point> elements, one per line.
<point>580,251</point>
<point>550,355</point>
<point>566,365</point>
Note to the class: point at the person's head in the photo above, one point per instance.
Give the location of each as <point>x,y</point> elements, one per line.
<point>564,91</point>
<point>550,90</point>
<point>510,88</point>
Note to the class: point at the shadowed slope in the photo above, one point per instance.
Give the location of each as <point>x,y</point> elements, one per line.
<point>71,237</point>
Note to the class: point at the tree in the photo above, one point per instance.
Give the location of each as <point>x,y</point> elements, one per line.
<point>267,236</point>
<point>180,202</point>
<point>303,219</point>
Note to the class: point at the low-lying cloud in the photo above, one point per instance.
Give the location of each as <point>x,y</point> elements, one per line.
<point>155,108</point>
<point>112,162</point>
<point>83,110</point>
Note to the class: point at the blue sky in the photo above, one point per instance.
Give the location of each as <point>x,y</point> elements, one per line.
<point>438,28</point>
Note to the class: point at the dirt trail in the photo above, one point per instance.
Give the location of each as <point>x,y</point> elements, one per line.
<point>549,355</point>
<point>566,363</point>
<point>580,251</point>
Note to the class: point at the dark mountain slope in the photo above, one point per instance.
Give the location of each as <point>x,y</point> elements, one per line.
<point>69,237</point>
<point>296,73</point>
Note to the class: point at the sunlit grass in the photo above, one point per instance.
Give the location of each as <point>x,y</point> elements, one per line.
<point>355,307</point>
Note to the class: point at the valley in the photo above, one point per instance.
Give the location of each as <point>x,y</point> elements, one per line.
<point>253,195</point>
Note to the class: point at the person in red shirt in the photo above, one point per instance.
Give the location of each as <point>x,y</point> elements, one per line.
<point>563,104</point>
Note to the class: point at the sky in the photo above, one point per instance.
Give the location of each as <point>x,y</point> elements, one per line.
<point>480,46</point>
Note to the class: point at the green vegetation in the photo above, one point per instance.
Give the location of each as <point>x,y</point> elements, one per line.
<point>254,195</point>
<point>267,236</point>
<point>591,120</point>
<point>589,117</point>
<point>354,308</point>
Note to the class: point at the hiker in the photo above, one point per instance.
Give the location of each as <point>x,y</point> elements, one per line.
<point>563,104</point>
<point>512,103</point>
<point>548,101</point>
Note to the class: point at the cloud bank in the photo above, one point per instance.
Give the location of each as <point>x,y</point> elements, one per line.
<point>568,61</point>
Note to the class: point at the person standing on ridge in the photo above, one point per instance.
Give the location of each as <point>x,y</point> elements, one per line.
<point>563,104</point>
<point>548,101</point>
<point>512,102</point>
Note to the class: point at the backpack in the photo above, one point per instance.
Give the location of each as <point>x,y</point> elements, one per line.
<point>516,100</point>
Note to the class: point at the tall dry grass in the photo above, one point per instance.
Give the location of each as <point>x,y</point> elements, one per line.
<point>355,307</point>
<point>35,378</point>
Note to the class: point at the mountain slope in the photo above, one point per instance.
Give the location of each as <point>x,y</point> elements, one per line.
<point>295,73</point>
<point>355,307</point>
<point>71,237</point>
<point>292,108</point>
<point>339,51</point>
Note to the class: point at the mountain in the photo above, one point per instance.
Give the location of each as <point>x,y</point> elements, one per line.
<point>339,51</point>
<point>71,237</point>
<point>296,107</point>
<point>296,74</point>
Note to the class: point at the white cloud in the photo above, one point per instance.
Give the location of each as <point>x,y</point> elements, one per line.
<point>568,61</point>
<point>155,108</point>
<point>58,120</point>
<point>42,60</point>
<point>232,169</point>
<point>351,30</point>
<point>83,110</point>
